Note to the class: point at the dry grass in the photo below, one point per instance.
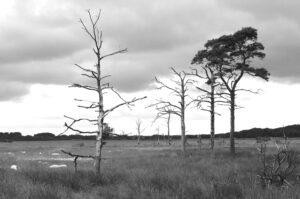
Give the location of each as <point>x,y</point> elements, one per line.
<point>162,174</point>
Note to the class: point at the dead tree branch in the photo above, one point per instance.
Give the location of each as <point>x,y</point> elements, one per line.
<point>76,156</point>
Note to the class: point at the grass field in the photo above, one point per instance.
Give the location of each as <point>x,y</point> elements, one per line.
<point>131,171</point>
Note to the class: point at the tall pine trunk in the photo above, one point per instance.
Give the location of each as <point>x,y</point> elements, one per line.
<point>212,118</point>
<point>232,121</point>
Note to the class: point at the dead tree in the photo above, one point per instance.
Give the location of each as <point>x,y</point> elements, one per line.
<point>168,125</point>
<point>209,98</point>
<point>100,87</point>
<point>179,90</point>
<point>199,141</point>
<point>157,130</point>
<point>281,169</point>
<point>164,113</point>
<point>139,130</point>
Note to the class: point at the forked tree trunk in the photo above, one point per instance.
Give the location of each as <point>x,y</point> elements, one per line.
<point>232,122</point>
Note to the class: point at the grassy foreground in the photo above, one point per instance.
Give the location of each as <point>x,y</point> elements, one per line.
<point>167,175</point>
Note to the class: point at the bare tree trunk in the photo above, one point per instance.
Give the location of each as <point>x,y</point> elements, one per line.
<point>99,138</point>
<point>212,117</point>
<point>199,141</point>
<point>139,135</point>
<point>139,130</point>
<point>183,141</point>
<point>158,136</point>
<point>99,145</point>
<point>168,123</point>
<point>232,121</point>
<point>98,154</point>
<point>212,131</point>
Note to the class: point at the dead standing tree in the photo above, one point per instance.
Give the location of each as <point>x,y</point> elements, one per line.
<point>158,135</point>
<point>139,130</point>
<point>168,118</point>
<point>100,88</point>
<point>281,168</point>
<point>210,97</point>
<point>180,90</point>
<point>165,113</point>
<point>232,54</point>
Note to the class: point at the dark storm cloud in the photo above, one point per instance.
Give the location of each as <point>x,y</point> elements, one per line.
<point>156,26</point>
<point>267,9</point>
<point>278,24</point>
<point>132,72</point>
<point>31,37</point>
<point>38,72</point>
<point>43,39</point>
<point>282,41</point>
<point>21,45</point>
<point>44,46</point>
<point>12,90</point>
<point>37,43</point>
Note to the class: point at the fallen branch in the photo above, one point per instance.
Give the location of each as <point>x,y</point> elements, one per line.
<point>76,156</point>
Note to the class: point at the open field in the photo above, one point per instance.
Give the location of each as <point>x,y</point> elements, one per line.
<point>131,171</point>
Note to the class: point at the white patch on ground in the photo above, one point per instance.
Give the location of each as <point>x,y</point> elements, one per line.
<point>10,153</point>
<point>58,166</point>
<point>14,167</point>
<point>40,153</point>
<point>55,154</point>
<point>23,152</point>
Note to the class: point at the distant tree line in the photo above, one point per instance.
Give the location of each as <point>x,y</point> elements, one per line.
<point>17,136</point>
<point>46,136</point>
<point>292,131</point>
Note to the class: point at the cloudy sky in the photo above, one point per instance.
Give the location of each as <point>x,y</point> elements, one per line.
<point>41,40</point>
